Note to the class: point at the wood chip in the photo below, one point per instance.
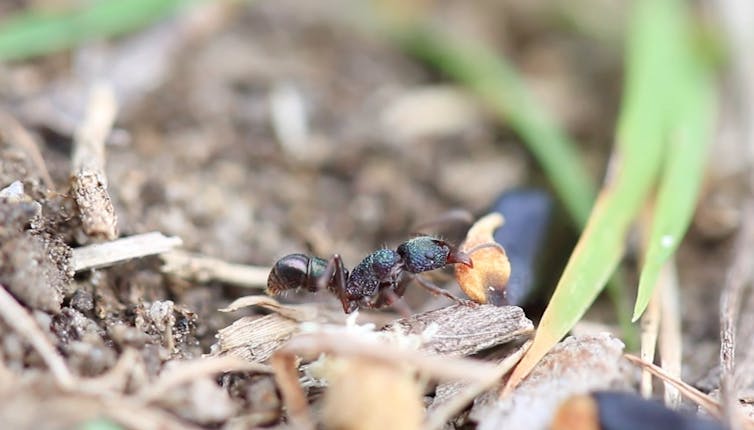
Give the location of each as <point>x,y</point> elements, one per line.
<point>463,330</point>
<point>255,338</point>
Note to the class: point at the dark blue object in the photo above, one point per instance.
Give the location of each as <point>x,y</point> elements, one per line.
<point>527,213</point>
<point>626,411</point>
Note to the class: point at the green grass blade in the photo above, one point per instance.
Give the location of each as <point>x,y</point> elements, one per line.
<point>497,84</point>
<point>32,33</point>
<point>655,42</point>
<point>99,424</point>
<point>680,181</point>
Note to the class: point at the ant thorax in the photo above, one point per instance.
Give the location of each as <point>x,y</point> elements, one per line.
<point>381,266</point>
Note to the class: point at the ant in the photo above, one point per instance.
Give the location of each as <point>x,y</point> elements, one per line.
<point>378,280</point>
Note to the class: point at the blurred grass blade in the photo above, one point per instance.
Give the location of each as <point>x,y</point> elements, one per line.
<point>499,86</point>
<point>655,41</point>
<point>681,178</point>
<point>32,33</point>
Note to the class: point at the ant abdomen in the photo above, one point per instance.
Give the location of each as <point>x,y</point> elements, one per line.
<point>295,271</point>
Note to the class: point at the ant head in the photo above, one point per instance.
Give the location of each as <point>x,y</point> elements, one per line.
<point>425,253</point>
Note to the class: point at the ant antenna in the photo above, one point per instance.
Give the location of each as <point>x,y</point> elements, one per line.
<point>447,218</point>
<point>485,245</point>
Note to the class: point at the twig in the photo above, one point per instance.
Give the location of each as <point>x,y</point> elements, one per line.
<point>19,319</point>
<point>650,327</point>
<point>16,134</point>
<point>116,251</point>
<point>286,375</point>
<point>440,367</point>
<point>670,330</point>
<point>88,181</point>
<point>457,403</point>
<point>187,371</point>
<point>738,276</point>
<point>687,390</point>
<point>200,268</point>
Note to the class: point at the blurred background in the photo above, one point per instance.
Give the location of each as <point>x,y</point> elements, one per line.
<point>254,129</point>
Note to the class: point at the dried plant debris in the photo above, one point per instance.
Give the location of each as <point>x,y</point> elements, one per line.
<point>462,330</point>
<point>486,281</point>
<point>259,400</point>
<point>88,179</point>
<point>360,344</point>
<point>255,338</point>
<point>575,366</point>
<point>200,268</point>
<point>116,251</point>
<point>370,395</point>
<point>452,398</point>
<point>386,362</point>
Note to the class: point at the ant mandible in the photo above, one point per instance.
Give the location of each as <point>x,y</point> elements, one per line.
<point>378,280</point>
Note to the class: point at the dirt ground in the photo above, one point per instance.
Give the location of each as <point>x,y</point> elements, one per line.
<point>255,131</point>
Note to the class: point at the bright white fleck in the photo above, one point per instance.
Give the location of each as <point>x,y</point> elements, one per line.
<point>13,191</point>
<point>351,319</point>
<point>666,241</point>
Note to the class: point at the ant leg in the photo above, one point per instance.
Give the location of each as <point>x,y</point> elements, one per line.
<point>434,289</point>
<point>392,299</point>
<point>338,287</point>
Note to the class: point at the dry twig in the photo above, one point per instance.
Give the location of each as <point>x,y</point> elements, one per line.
<point>662,317</point>
<point>650,327</point>
<point>739,275</point>
<point>19,319</point>
<point>286,375</point>
<point>88,181</point>
<point>671,344</point>
<point>691,393</point>
<point>446,411</point>
<point>116,251</point>
<point>443,368</point>
<point>200,268</point>
<point>186,371</point>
